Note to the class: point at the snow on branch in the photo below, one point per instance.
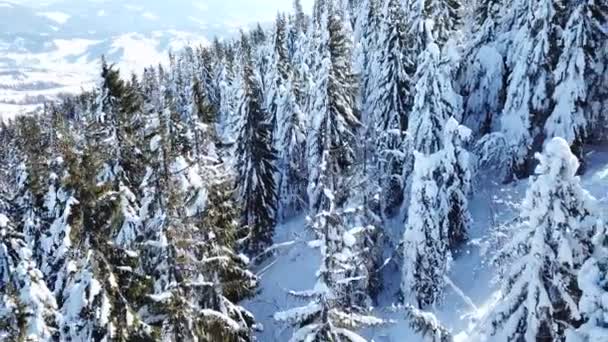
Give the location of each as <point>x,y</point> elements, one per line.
<point>426,324</point>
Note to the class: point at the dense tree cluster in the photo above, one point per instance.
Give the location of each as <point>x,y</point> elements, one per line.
<point>136,211</point>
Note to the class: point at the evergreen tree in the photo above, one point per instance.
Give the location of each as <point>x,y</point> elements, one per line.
<point>548,247</point>
<point>229,87</point>
<point>334,117</point>
<point>190,232</point>
<point>579,42</point>
<point>290,131</point>
<point>530,59</point>
<point>482,72</point>
<point>435,101</point>
<point>97,297</point>
<point>301,21</point>
<point>435,20</point>
<point>28,310</point>
<point>456,184</point>
<point>336,309</point>
<point>256,169</point>
<point>598,92</point>
<point>438,217</point>
<point>368,32</point>
<point>591,282</point>
<point>392,97</point>
<point>427,256</point>
<point>427,325</point>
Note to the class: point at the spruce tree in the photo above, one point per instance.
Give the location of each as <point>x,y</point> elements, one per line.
<point>334,117</point>
<point>392,98</point>
<point>28,309</point>
<point>99,300</point>
<point>435,20</point>
<point>427,256</point>
<point>435,101</point>
<point>256,156</point>
<point>482,71</point>
<point>290,131</point>
<point>591,282</point>
<point>438,217</point>
<point>457,182</point>
<point>575,67</point>
<point>530,59</point>
<point>337,302</point>
<point>549,244</point>
<point>368,32</point>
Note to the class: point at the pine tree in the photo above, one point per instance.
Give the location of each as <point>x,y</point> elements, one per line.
<point>290,131</point>
<point>256,169</point>
<point>435,101</point>
<point>427,256</point>
<point>548,247</point>
<point>591,282</point>
<point>440,18</point>
<point>28,310</point>
<point>336,307</point>
<point>570,115</point>
<point>482,71</point>
<point>530,59</point>
<point>456,182</point>
<point>392,98</point>
<point>334,117</point>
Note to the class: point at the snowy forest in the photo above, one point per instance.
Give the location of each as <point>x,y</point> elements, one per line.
<point>370,136</point>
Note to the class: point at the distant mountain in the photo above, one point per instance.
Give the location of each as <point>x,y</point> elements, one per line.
<point>53,47</point>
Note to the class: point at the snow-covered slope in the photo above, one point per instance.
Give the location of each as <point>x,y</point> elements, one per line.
<point>466,303</point>
<point>27,77</point>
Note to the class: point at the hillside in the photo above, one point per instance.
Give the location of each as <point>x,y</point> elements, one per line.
<point>371,170</point>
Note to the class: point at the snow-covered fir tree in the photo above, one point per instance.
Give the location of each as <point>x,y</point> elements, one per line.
<point>446,18</point>
<point>391,94</point>
<point>427,256</point>
<point>427,325</point>
<point>334,116</point>
<point>482,71</point>
<point>337,303</point>
<point>438,216</point>
<point>28,309</point>
<point>530,58</point>
<point>367,33</point>
<point>576,65</point>
<point>592,283</point>
<point>256,157</point>
<point>290,131</point>
<point>435,100</point>
<point>539,297</point>
<point>456,182</point>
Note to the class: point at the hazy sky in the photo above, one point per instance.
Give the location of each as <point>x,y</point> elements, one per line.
<point>268,6</point>
<point>231,12</point>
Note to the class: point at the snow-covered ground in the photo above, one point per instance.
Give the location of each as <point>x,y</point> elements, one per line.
<point>465,304</point>
<point>69,66</point>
